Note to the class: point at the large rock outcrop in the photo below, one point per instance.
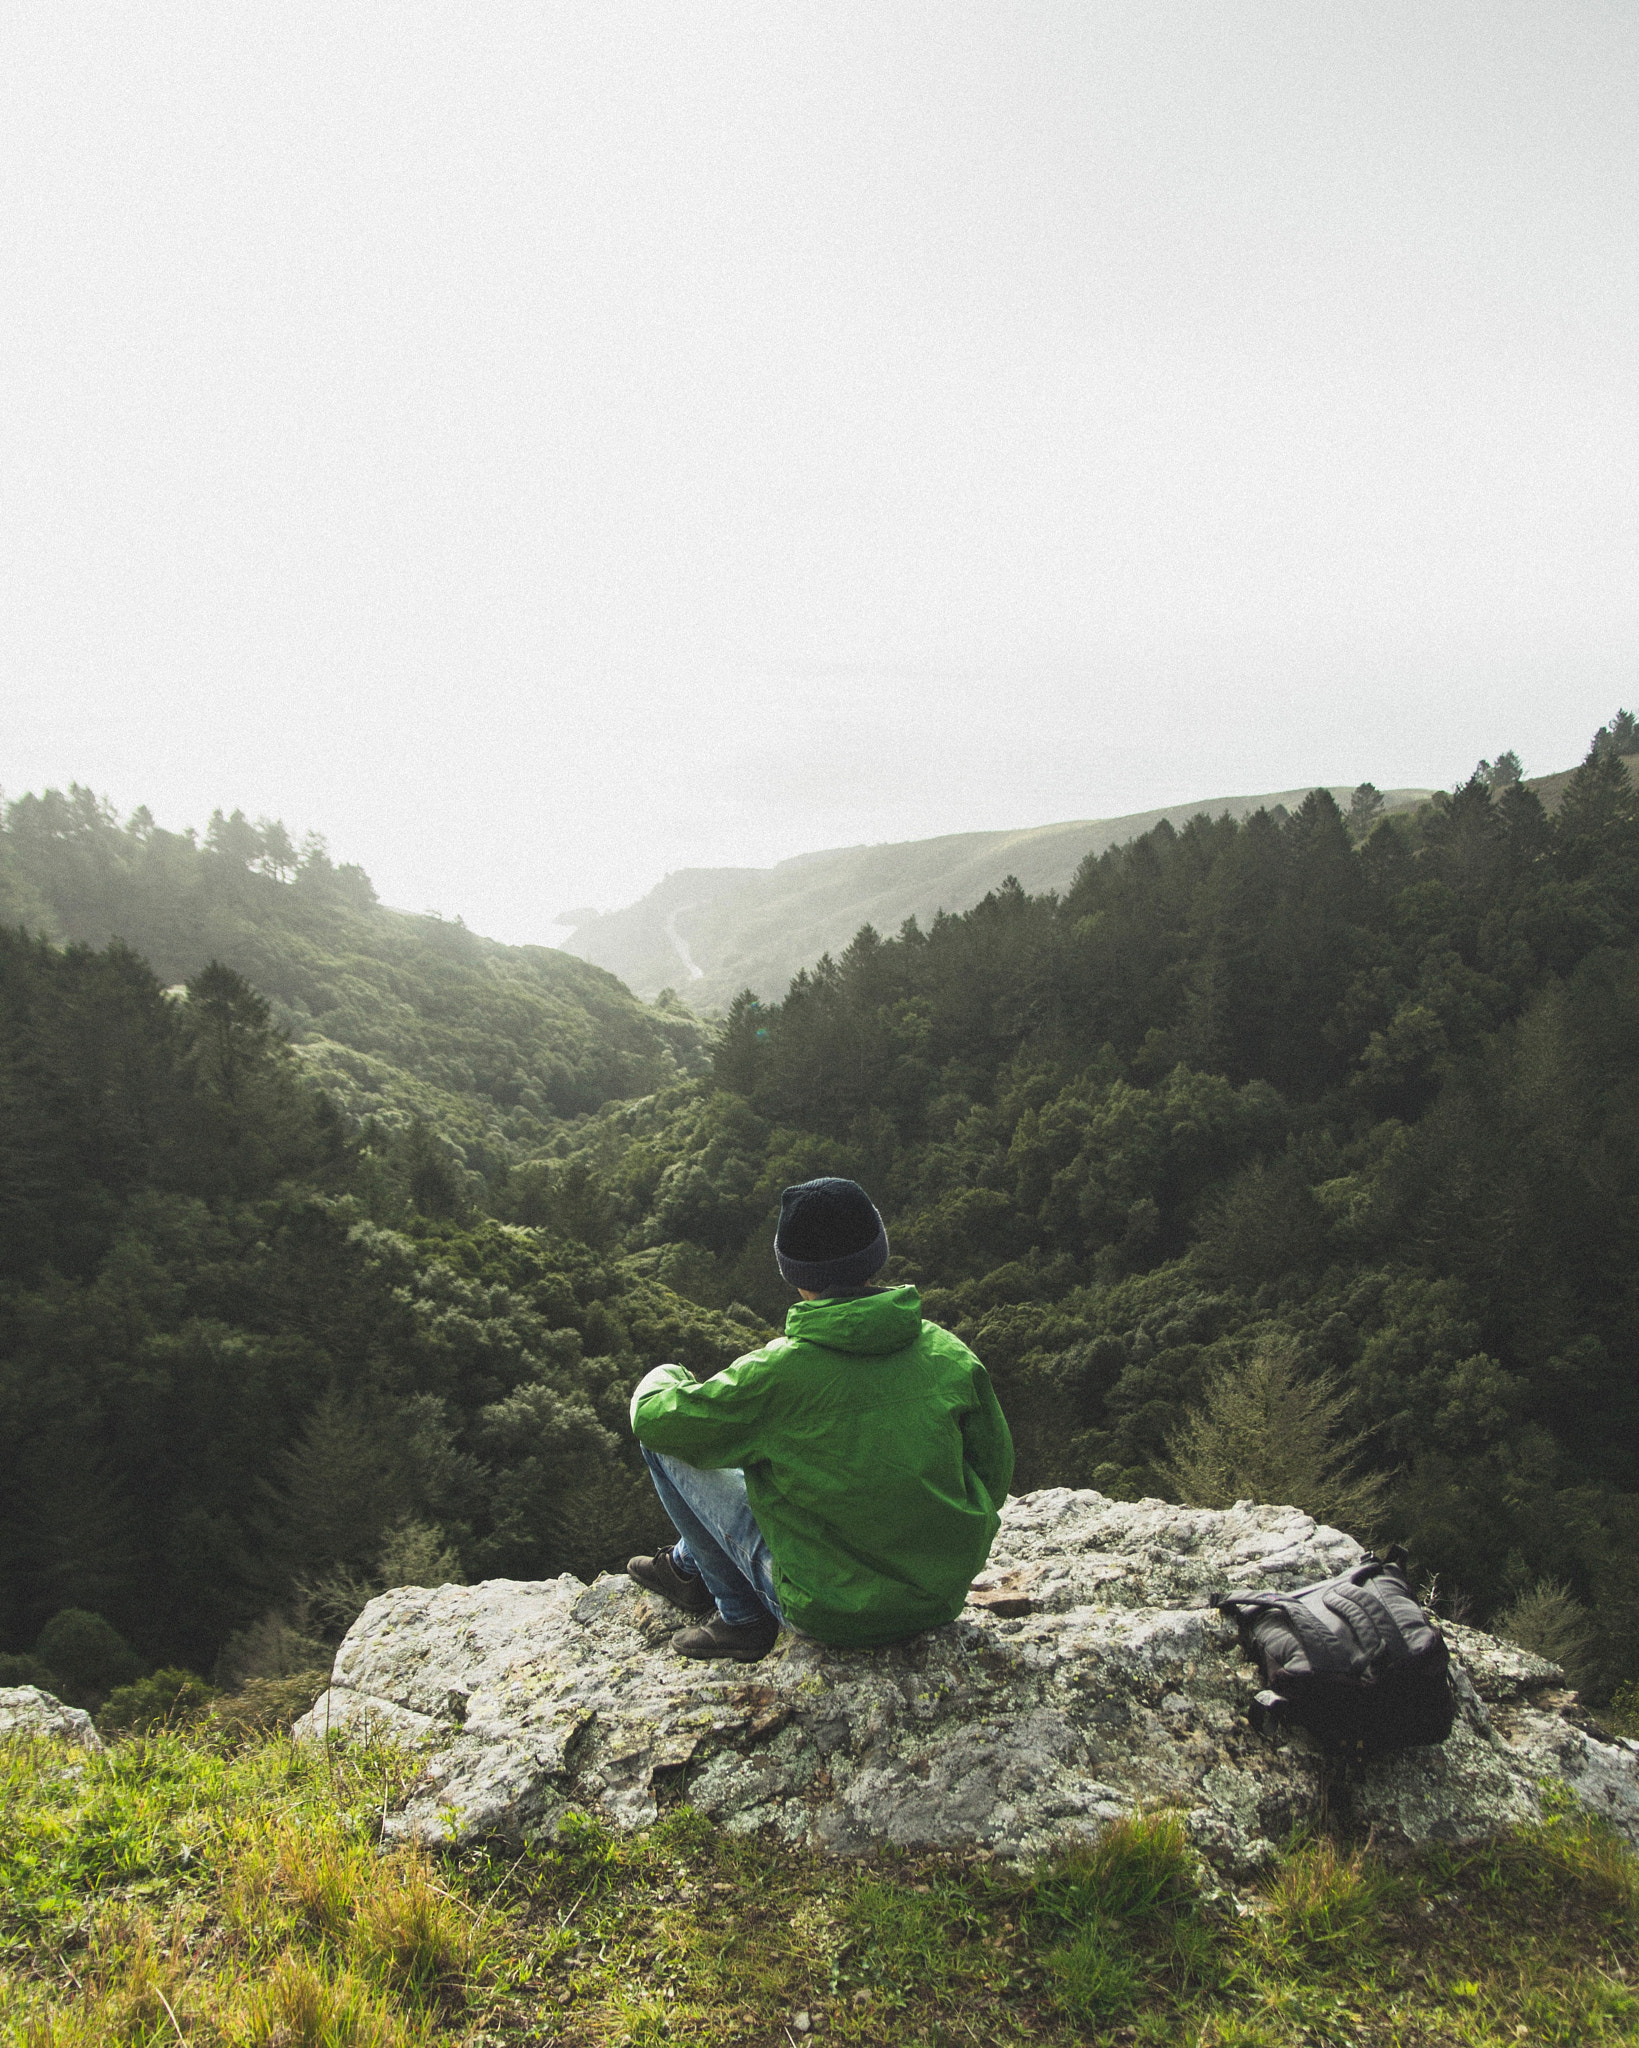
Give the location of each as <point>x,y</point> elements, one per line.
<point>27,1713</point>
<point>1088,1676</point>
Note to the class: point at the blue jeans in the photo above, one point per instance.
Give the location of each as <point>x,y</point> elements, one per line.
<point>718,1537</point>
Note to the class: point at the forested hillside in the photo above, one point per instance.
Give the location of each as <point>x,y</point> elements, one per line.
<point>1251,1097</point>
<point>398,1016</point>
<point>1337,1118</point>
<point>232,1394</point>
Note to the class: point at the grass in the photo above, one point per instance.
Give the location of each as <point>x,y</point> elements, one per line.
<point>213,1887</point>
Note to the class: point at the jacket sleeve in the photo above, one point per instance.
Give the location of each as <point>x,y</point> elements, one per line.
<point>987,1442</point>
<point>714,1423</point>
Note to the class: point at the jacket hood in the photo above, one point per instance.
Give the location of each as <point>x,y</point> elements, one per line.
<point>868,1324</point>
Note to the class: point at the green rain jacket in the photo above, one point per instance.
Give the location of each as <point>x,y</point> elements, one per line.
<point>875,1458</point>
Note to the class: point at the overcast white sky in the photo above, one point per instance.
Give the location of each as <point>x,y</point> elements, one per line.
<point>541,447</point>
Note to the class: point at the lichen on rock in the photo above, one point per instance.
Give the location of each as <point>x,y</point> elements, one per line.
<point>1089,1676</point>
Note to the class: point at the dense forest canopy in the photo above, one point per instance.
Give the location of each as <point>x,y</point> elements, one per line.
<point>1346,1098</point>
<point>1366,1098</point>
<point>224,1384</point>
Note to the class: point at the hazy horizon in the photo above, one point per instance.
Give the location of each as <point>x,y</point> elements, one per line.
<point>544,447</point>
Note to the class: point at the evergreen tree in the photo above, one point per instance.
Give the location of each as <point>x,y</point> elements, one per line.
<point>1365,810</point>
<point>736,1056</point>
<point>278,850</point>
<point>234,840</point>
<point>340,1488</point>
<point>430,1175</point>
<point>1268,1431</point>
<point>1548,1620</point>
<point>1619,737</point>
<point>1502,773</point>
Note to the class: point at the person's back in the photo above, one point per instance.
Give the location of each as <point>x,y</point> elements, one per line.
<point>874,1456</point>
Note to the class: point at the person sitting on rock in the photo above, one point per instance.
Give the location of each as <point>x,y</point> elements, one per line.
<point>844,1479</point>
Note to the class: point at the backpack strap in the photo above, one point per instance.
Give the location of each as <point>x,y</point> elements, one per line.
<point>1375,1627</point>
<point>1243,1608</point>
<point>1328,1649</point>
<point>1388,1589</point>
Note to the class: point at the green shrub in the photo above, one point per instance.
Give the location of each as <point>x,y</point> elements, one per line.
<point>1551,1622</point>
<point>86,1656</point>
<point>274,1647</point>
<point>1623,1711</point>
<point>1271,1431</point>
<point>167,1699</point>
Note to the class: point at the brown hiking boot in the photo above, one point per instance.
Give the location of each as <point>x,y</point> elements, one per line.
<point>745,1641</point>
<point>683,1589</point>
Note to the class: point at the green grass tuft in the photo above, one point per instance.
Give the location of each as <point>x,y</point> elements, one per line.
<point>1324,1900</point>
<point>1136,1869</point>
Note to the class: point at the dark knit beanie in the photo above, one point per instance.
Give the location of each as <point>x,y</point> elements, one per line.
<point>830,1237</point>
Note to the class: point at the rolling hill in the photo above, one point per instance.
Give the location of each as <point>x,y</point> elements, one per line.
<point>399,1016</point>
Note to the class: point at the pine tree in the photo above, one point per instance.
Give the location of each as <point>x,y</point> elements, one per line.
<point>341,1488</point>
<point>737,1058</point>
<point>1502,773</point>
<point>430,1174</point>
<point>231,1030</point>
<point>1270,1432</point>
<point>1551,1622</point>
<point>1365,809</point>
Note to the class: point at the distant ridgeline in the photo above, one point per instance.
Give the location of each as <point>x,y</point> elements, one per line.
<point>1318,1126</point>
<point>710,932</point>
<point>399,1016</point>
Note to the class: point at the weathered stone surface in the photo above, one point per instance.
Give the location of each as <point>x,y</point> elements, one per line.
<point>26,1712</point>
<point>1089,1676</point>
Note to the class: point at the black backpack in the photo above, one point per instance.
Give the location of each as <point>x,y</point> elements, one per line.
<point>1354,1659</point>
